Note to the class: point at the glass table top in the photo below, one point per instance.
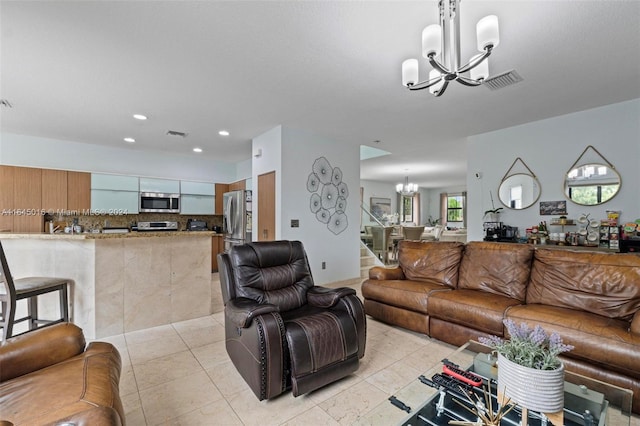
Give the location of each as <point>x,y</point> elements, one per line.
<point>418,397</point>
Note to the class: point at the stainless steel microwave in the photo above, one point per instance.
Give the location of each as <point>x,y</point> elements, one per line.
<point>154,202</point>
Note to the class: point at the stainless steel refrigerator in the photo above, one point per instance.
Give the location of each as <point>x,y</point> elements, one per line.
<point>236,218</point>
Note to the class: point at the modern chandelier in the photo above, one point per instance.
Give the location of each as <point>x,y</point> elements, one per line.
<point>443,41</point>
<point>408,189</point>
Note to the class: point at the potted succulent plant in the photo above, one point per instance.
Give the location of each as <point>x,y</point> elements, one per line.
<point>529,370</point>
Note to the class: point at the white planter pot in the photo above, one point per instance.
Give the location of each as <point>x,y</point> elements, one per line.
<point>537,390</point>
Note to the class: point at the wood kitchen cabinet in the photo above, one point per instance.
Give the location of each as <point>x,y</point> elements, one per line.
<point>54,190</point>
<point>217,246</point>
<point>7,178</point>
<point>235,186</point>
<point>27,193</point>
<point>78,191</point>
<point>221,188</point>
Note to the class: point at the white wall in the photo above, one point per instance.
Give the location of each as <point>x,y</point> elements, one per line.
<point>550,147</point>
<point>243,169</point>
<point>32,151</point>
<point>291,153</point>
<point>269,144</point>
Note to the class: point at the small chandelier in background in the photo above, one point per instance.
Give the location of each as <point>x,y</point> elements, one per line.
<point>408,189</point>
<point>444,41</point>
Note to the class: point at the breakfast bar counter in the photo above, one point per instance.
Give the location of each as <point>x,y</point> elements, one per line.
<point>121,282</point>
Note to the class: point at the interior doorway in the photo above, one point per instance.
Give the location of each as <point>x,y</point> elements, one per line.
<point>267,206</point>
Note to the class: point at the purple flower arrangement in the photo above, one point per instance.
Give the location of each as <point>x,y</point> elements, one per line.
<point>532,348</point>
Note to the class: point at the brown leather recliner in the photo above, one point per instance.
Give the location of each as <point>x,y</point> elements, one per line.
<point>282,331</point>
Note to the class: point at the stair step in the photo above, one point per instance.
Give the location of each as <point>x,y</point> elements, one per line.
<point>367,261</point>
<point>364,272</point>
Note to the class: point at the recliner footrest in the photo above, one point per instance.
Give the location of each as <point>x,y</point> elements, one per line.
<point>318,344</point>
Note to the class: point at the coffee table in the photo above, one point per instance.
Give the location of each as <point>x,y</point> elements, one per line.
<point>418,398</point>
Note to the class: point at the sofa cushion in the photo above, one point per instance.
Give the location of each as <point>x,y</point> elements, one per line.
<point>499,268</point>
<point>432,261</point>
<point>474,309</point>
<point>606,284</point>
<point>404,294</point>
<point>597,339</point>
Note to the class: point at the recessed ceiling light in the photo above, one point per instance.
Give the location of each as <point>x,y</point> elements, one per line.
<point>223,133</point>
<point>130,140</point>
<point>139,117</point>
<point>197,149</point>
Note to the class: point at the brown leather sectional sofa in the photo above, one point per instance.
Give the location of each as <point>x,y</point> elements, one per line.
<point>47,377</point>
<point>455,292</point>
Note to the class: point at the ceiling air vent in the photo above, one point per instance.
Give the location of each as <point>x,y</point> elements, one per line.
<point>176,133</point>
<point>5,103</point>
<point>503,80</point>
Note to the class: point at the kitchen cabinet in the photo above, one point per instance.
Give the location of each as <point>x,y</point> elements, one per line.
<point>106,201</point>
<point>197,188</point>
<point>78,191</point>
<point>27,191</point>
<point>197,204</point>
<point>237,185</point>
<point>54,190</point>
<point>163,186</point>
<point>217,246</point>
<point>7,178</point>
<point>114,182</point>
<point>197,197</point>
<point>114,194</point>
<point>221,188</point>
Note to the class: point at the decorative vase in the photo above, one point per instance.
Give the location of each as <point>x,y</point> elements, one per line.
<point>537,390</point>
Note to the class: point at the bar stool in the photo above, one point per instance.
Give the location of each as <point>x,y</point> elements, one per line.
<point>28,288</point>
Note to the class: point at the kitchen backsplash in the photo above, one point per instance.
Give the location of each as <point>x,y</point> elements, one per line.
<point>98,222</point>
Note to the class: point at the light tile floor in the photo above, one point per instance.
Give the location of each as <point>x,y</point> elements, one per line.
<point>180,374</point>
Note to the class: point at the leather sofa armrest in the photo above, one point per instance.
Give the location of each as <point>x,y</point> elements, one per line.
<point>323,297</point>
<point>635,324</point>
<point>241,311</point>
<point>380,273</point>
<point>39,349</point>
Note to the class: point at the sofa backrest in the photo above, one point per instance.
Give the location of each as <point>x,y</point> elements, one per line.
<point>432,261</point>
<point>499,268</point>
<point>606,284</point>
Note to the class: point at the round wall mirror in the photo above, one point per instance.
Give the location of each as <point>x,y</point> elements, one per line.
<point>519,191</point>
<point>591,184</point>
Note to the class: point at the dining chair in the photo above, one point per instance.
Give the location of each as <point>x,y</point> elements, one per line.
<point>412,232</point>
<point>382,242</point>
<point>28,288</point>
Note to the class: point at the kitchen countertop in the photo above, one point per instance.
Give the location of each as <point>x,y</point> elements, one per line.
<point>92,236</point>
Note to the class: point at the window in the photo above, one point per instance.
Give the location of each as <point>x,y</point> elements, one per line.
<point>515,197</point>
<point>455,209</point>
<point>407,209</point>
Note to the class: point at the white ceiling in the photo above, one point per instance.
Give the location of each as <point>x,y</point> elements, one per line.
<point>78,70</point>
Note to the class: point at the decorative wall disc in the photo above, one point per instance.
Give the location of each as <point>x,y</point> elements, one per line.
<point>328,195</point>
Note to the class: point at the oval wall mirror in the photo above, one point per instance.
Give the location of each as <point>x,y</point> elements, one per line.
<point>519,190</point>
<point>591,184</point>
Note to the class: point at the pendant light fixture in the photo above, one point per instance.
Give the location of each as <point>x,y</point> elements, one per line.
<point>441,47</point>
<point>407,189</point>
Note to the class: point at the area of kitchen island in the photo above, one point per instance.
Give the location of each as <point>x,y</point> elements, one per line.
<point>121,282</point>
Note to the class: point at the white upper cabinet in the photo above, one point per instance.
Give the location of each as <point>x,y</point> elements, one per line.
<point>114,182</point>
<point>197,204</point>
<point>164,186</point>
<point>197,188</point>
<point>114,194</point>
